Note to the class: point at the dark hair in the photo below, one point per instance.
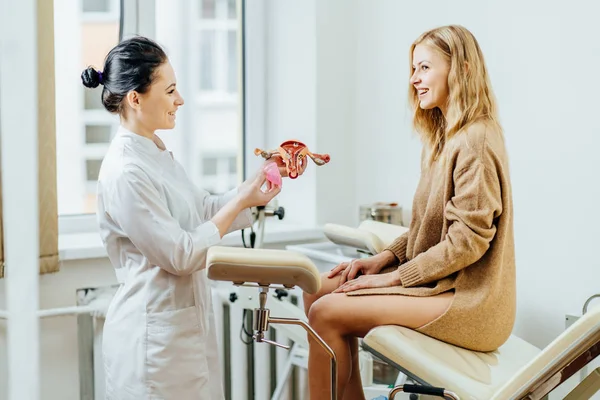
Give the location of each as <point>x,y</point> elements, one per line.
<point>130,65</point>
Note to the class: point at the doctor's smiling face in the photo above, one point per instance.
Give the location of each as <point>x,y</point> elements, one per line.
<point>139,85</point>
<point>156,108</point>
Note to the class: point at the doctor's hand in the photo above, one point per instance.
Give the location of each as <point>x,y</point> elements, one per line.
<point>250,193</point>
<point>364,266</point>
<point>370,281</point>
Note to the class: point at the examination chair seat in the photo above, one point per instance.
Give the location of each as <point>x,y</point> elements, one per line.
<point>511,372</point>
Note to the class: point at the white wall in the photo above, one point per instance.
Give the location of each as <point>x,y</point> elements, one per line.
<point>291,74</point>
<point>309,97</point>
<point>335,106</point>
<point>387,152</point>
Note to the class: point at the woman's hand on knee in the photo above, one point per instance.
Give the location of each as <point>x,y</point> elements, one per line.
<point>350,270</point>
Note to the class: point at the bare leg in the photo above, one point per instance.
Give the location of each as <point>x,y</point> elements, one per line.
<point>354,388</point>
<point>354,384</point>
<point>338,317</point>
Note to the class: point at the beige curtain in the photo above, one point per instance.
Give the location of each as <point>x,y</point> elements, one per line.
<point>48,208</point>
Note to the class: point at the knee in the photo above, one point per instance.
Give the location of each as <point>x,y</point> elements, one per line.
<point>321,315</point>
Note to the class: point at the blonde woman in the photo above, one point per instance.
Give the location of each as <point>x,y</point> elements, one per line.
<point>452,275</point>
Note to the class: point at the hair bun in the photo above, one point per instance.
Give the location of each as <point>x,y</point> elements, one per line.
<point>91,78</point>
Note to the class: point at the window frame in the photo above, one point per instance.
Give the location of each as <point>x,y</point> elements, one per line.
<point>97,116</point>
<point>86,222</point>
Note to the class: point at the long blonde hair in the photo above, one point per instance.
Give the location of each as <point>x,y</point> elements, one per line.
<point>470,95</point>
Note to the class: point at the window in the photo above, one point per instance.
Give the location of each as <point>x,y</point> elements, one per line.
<point>219,171</point>
<point>201,38</point>
<point>217,29</point>
<point>97,134</point>
<point>83,37</point>
<point>96,6</point>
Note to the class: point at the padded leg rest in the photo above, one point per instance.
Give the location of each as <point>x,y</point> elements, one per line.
<point>371,236</point>
<point>263,266</point>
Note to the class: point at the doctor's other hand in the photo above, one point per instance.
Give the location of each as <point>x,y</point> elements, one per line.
<point>250,193</point>
<point>347,271</point>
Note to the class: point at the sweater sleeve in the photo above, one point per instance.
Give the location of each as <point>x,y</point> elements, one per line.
<point>470,214</point>
<point>398,247</point>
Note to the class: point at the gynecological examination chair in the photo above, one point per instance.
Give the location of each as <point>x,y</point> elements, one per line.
<point>517,370</point>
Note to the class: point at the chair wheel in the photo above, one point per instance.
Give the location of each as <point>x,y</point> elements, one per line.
<point>413,396</point>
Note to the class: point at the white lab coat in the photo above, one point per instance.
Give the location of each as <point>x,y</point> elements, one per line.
<point>159,338</point>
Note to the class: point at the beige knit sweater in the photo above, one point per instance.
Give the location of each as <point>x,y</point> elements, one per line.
<point>461,239</point>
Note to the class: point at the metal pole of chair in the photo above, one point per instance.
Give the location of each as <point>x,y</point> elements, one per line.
<point>261,324</point>
<point>317,338</point>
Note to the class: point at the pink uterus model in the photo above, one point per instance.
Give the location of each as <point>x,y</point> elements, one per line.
<point>293,153</point>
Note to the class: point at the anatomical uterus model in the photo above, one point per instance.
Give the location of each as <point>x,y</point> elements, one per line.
<point>293,153</point>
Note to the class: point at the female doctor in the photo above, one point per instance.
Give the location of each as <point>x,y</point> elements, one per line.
<point>159,335</point>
